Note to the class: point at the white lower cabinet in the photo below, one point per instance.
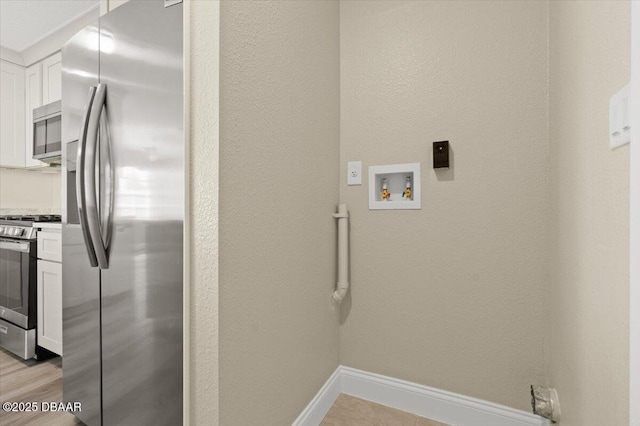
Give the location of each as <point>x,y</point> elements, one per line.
<point>50,306</point>
<point>50,245</point>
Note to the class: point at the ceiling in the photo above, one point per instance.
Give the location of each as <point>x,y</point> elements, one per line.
<point>24,22</point>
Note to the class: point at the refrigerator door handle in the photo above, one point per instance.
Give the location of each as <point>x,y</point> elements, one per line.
<point>93,215</point>
<point>106,175</point>
<point>80,178</point>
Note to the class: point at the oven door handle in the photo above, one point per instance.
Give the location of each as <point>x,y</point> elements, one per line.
<point>80,178</point>
<point>93,215</point>
<point>15,246</point>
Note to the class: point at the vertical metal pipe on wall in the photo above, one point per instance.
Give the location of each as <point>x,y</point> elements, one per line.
<point>343,253</point>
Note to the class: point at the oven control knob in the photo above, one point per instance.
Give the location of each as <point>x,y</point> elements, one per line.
<point>18,232</point>
<point>1,230</point>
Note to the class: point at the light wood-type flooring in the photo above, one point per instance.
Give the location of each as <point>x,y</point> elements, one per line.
<point>351,411</point>
<point>32,381</point>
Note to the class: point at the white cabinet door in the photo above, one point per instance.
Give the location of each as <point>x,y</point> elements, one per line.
<point>50,246</point>
<point>52,79</point>
<point>50,306</point>
<point>33,90</point>
<point>12,119</point>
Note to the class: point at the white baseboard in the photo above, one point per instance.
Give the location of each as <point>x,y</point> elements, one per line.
<point>443,406</point>
<point>322,402</point>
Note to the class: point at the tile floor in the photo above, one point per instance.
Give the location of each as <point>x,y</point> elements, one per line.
<point>351,411</point>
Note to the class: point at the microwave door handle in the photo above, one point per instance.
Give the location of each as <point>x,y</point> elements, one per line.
<point>80,178</point>
<point>93,216</point>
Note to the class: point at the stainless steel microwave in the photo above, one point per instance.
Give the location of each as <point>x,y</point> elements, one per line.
<point>47,133</point>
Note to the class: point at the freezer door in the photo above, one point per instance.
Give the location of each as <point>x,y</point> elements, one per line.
<point>141,64</point>
<point>80,282</point>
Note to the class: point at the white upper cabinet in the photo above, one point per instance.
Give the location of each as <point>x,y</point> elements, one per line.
<point>12,115</point>
<point>21,91</point>
<point>33,99</point>
<point>52,78</point>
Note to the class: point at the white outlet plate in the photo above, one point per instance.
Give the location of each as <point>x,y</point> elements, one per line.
<point>354,173</point>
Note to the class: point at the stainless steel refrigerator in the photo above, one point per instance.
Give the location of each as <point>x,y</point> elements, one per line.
<point>123,215</point>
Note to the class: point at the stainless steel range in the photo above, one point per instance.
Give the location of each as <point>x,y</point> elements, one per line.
<point>18,273</point>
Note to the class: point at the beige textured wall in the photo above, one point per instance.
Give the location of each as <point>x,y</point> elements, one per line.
<point>203,218</point>
<point>589,363</point>
<point>453,296</point>
<point>30,191</point>
<point>456,295</point>
<point>279,156</point>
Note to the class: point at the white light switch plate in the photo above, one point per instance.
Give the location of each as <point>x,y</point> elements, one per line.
<point>354,173</point>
